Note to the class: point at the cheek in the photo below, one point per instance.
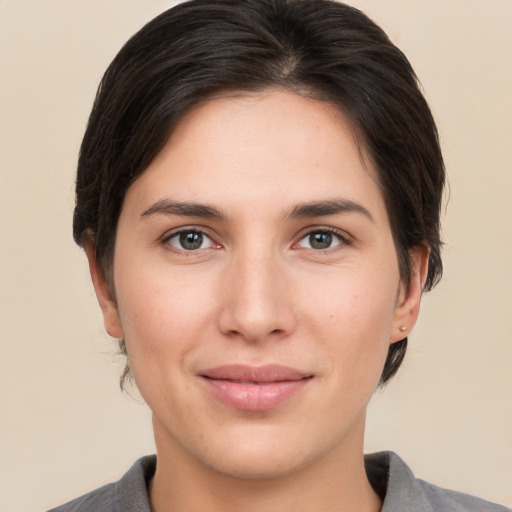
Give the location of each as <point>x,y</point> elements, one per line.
<point>354,315</point>
<point>162,312</point>
<point>356,301</point>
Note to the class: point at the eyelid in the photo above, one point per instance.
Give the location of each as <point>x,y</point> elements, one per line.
<point>344,237</point>
<point>164,240</point>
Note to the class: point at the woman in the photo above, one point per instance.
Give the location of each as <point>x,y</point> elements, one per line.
<point>258,196</point>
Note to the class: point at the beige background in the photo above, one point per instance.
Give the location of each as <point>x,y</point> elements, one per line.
<point>65,427</point>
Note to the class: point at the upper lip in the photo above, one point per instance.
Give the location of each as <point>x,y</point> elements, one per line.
<point>246,373</point>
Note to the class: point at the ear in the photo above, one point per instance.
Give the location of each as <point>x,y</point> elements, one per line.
<point>104,294</point>
<point>408,305</point>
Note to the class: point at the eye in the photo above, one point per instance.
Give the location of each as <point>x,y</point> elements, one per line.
<point>321,240</point>
<point>190,240</point>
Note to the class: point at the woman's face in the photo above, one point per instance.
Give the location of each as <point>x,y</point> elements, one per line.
<point>257,286</point>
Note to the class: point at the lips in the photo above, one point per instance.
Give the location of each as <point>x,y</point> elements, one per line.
<point>254,388</point>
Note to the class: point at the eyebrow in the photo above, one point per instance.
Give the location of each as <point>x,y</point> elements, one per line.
<point>167,207</point>
<point>328,207</point>
<point>299,211</point>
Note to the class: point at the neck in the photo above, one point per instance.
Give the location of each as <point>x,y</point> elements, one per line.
<point>335,483</point>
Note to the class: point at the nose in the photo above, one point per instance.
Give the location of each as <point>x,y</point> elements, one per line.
<point>256,300</point>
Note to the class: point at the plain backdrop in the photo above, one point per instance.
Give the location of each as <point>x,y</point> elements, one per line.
<point>65,427</point>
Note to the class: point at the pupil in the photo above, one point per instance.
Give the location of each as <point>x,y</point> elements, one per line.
<point>191,240</point>
<point>320,240</point>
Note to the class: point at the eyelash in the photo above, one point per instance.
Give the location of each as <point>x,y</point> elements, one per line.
<point>343,240</point>
<point>166,240</point>
<point>342,237</point>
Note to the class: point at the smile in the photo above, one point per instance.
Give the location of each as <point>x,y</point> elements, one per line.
<point>254,388</point>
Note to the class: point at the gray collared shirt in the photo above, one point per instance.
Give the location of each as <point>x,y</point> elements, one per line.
<point>387,472</point>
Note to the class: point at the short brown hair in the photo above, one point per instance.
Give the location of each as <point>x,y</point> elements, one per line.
<point>321,48</point>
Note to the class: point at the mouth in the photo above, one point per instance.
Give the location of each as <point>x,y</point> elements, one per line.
<point>253,388</point>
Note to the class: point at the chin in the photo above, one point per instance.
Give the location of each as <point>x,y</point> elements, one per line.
<point>265,453</point>
<point>257,466</point>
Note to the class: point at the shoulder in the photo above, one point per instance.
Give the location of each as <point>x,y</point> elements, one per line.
<point>100,500</point>
<point>393,479</point>
<point>444,499</point>
<point>129,494</point>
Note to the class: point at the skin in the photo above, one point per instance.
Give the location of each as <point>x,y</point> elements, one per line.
<point>259,291</point>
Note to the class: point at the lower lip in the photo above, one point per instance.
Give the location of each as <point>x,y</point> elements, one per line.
<point>255,397</point>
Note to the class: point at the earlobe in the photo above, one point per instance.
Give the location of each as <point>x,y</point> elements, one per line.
<point>104,294</point>
<point>408,305</point>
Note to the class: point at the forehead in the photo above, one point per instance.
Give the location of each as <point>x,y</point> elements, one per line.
<point>273,147</point>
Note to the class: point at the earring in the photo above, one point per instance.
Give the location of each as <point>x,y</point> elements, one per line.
<point>403,328</point>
